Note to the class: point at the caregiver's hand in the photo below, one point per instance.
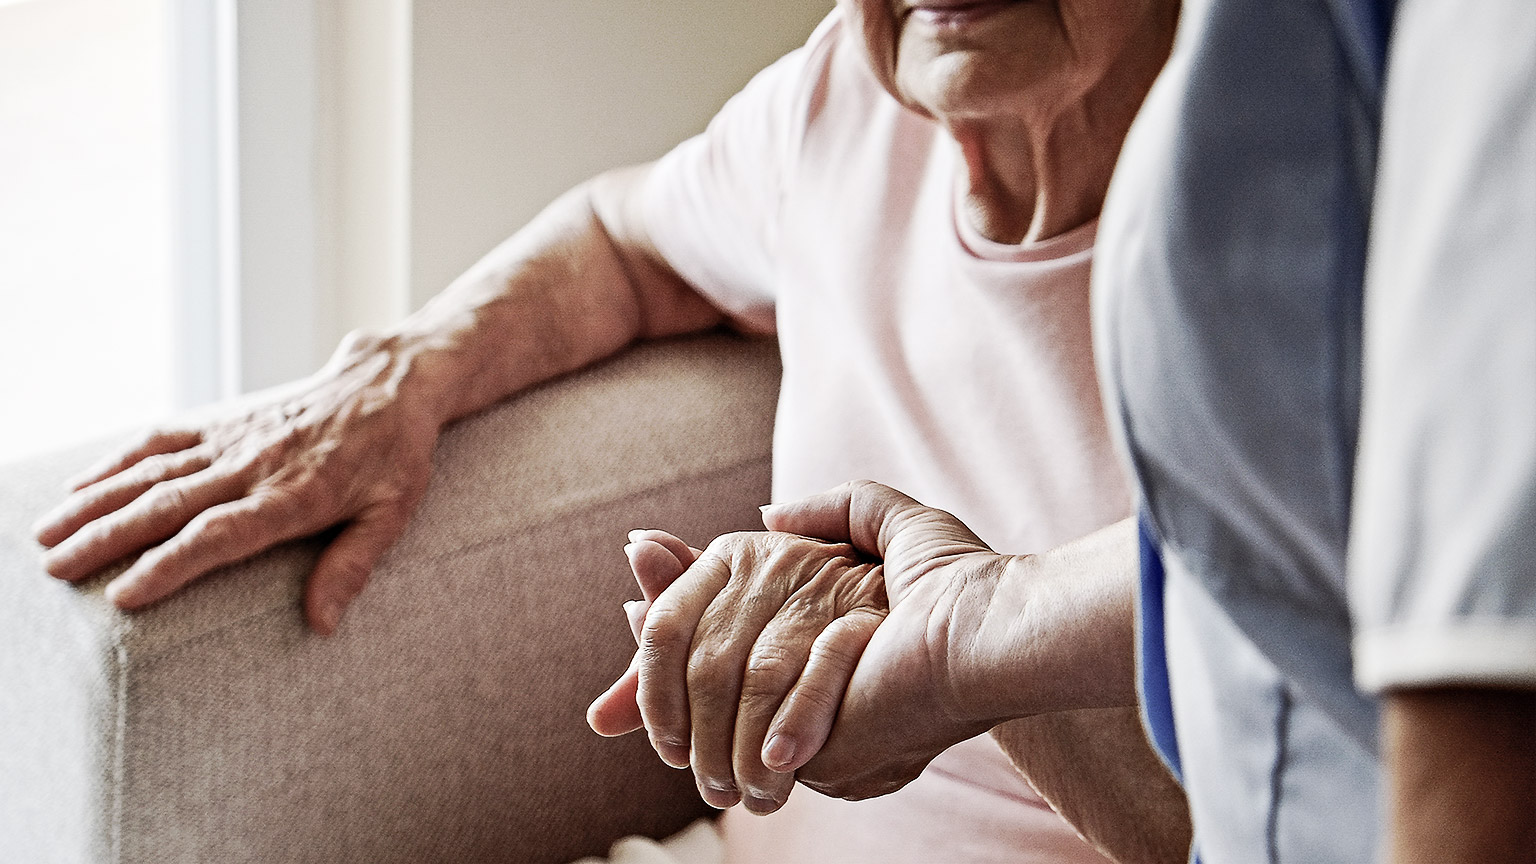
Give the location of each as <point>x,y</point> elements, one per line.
<point>923,683</point>
<point>351,445</point>
<point>761,626</point>
<point>973,639</point>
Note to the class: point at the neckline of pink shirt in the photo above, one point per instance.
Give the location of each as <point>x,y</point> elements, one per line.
<point>1074,242</point>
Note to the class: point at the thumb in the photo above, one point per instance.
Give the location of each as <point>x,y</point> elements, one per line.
<point>863,513</point>
<point>346,565</point>
<point>616,712</point>
<point>656,558</point>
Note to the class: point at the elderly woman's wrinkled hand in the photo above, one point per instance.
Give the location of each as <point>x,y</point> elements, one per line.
<point>762,627</point>
<point>344,447</point>
<point>928,678</point>
<point>776,657</point>
<point>656,559</point>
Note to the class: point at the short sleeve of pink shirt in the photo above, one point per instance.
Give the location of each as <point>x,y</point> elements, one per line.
<point>916,353</point>
<point>713,203</point>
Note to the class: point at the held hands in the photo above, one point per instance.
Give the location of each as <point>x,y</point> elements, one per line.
<point>936,672</point>
<point>776,657</point>
<point>347,448</point>
<point>760,633</point>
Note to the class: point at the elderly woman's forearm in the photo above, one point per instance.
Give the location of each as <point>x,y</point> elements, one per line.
<point>578,283</point>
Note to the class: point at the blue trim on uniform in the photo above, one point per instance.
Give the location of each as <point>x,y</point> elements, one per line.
<point>1156,698</point>
<point>1152,668</point>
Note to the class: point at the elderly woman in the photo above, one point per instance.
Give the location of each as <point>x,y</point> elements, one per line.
<point>909,203</point>
<point>1338,621</point>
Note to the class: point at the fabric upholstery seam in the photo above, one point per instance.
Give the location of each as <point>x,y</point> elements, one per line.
<point>442,556</point>
<point>119,751</point>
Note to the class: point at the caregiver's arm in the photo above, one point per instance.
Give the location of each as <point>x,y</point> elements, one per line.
<point>1441,580</point>
<point>351,445</point>
<point>1095,766</point>
<point>1005,637</point>
<point>1461,775</point>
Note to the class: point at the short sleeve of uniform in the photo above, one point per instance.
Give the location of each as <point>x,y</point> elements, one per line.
<point>1443,540</point>
<point>712,205</point>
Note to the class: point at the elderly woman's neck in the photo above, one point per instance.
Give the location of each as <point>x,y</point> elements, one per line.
<point>1033,178</point>
<point>1022,189</point>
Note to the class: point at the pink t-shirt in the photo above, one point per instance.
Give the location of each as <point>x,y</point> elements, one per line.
<point>916,353</point>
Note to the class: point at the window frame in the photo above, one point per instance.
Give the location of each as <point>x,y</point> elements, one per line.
<point>292,203</point>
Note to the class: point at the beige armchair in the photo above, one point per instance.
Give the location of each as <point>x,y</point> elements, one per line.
<point>444,722</point>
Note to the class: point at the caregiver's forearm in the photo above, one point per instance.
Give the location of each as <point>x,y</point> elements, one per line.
<point>579,282</point>
<point>1088,755</point>
<point>1056,633</point>
<point>1097,769</point>
<point>1461,775</point>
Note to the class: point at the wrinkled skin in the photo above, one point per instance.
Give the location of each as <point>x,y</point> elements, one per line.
<point>346,449</point>
<point>775,657</point>
<point>350,447</point>
<point>759,629</point>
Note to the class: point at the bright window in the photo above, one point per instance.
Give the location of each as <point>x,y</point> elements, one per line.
<point>86,292</point>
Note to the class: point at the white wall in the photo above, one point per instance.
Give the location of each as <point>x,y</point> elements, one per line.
<point>86,329</point>
<point>382,146</point>
<point>514,101</point>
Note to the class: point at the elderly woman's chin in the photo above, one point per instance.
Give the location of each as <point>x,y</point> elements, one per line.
<point>969,59</point>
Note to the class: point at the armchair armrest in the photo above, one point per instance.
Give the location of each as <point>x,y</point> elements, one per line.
<point>444,721</point>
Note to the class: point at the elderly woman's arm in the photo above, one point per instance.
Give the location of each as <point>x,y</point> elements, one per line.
<point>971,640</point>
<point>351,445</point>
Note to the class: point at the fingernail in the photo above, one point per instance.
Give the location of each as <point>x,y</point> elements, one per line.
<point>758,802</point>
<point>779,752</point>
<point>719,795</point>
<point>764,508</point>
<point>42,524</point>
<point>675,755</point>
<point>330,617</point>
<point>49,560</point>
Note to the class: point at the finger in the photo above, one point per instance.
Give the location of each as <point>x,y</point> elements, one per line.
<point>634,612</point>
<point>777,660</point>
<point>617,709</point>
<point>850,513</point>
<point>665,641</point>
<point>114,493</point>
<point>684,553</point>
<point>654,566</point>
<point>616,712</point>
<point>725,645</point>
<point>347,563</point>
<point>152,444</point>
<point>158,514</point>
<point>219,536</point>
<point>804,721</point>
<point>869,516</point>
